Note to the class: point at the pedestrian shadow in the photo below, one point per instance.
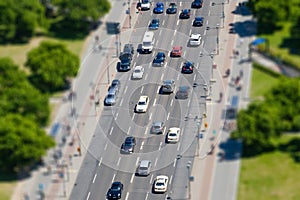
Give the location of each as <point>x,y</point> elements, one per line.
<point>230,150</point>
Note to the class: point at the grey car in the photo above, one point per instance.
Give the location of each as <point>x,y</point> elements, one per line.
<point>157,127</point>
<point>168,86</point>
<point>182,92</point>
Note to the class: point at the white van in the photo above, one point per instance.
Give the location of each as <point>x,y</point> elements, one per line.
<point>148,41</point>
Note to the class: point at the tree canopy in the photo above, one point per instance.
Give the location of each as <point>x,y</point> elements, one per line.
<point>22,142</point>
<point>264,121</point>
<point>51,64</point>
<point>19,19</point>
<point>18,96</point>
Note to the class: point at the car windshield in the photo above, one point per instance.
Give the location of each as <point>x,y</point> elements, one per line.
<point>142,103</point>
<point>137,71</point>
<point>145,1</point>
<point>110,96</point>
<point>147,43</point>
<point>143,168</point>
<point>160,184</point>
<point>172,134</point>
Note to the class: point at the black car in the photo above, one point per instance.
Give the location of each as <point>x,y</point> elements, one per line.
<point>159,59</point>
<point>128,145</point>
<point>187,68</point>
<point>172,9</point>
<point>197,4</point>
<point>198,21</point>
<point>115,191</point>
<point>185,14</point>
<point>182,92</point>
<point>125,61</point>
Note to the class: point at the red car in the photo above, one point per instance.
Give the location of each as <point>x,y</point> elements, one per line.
<point>176,51</point>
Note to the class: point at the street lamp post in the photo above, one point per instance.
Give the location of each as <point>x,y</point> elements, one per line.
<point>198,137</point>
<point>188,166</point>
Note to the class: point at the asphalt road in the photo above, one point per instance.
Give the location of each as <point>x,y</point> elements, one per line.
<point>104,163</point>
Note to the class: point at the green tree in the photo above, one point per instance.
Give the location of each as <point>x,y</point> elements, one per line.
<point>78,15</point>
<point>51,65</point>
<point>22,142</point>
<point>19,19</point>
<point>17,95</point>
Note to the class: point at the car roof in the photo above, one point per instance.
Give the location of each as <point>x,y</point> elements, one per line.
<point>198,18</point>
<point>195,35</point>
<point>174,129</point>
<point>143,98</point>
<point>177,47</point>
<point>158,123</point>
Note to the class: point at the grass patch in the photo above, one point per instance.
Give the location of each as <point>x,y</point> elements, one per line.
<point>7,186</point>
<point>283,46</point>
<point>270,176</point>
<point>18,52</point>
<point>261,83</point>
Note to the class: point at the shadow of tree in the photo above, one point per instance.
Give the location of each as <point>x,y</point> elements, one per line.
<point>293,148</point>
<point>231,150</point>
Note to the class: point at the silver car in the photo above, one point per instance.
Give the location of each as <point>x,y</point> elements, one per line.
<point>157,127</point>
<point>168,86</point>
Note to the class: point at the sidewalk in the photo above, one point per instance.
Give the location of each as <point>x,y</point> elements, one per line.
<point>56,179</point>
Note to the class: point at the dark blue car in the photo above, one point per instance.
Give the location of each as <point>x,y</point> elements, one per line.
<point>197,4</point>
<point>159,8</point>
<point>198,21</point>
<point>185,14</point>
<point>187,68</point>
<point>154,24</point>
<point>172,9</point>
<point>159,59</point>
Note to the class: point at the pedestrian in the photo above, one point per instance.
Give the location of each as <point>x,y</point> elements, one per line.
<point>221,96</point>
<point>96,38</point>
<point>227,72</point>
<point>237,80</point>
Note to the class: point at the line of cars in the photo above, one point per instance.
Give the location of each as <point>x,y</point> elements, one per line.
<point>160,184</point>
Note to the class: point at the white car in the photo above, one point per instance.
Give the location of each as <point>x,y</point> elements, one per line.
<point>138,72</point>
<point>142,104</point>
<point>195,39</point>
<point>161,183</point>
<point>173,135</point>
<point>145,4</point>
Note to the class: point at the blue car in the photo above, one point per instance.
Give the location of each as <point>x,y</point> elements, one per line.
<point>154,24</point>
<point>159,8</point>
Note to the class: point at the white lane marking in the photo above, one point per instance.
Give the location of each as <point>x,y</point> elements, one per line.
<point>88,196</point>
<point>168,116</point>
<point>155,162</point>
<point>118,163</point>
<point>160,146</point>
<point>163,22</point>
<point>100,162</point>
<point>121,102</point>
<point>142,89</point>
<point>197,66</point>
<point>171,103</point>
<point>184,54</point>
<point>170,179</point>
<point>195,77</point>
<point>105,147</point>
<point>133,115</point>
<point>177,22</point>
<point>177,77</point>
<point>117,114</point>
<point>174,164</point>
<point>207,21</point>
<point>157,90</point>
<point>125,89</point>
<point>147,196</point>
<point>150,116</point>
<point>137,161</point>
<point>162,77</point>
<point>166,64</point>
<point>114,176</point>
<point>178,147</point>
<point>146,76</point>
<point>94,178</point>
<point>146,131</point>
<point>127,194</point>
<point>189,103</point>
<point>128,130</point>
<point>175,32</point>
<point>111,130</point>
<point>154,102</point>
<point>137,55</point>
<point>190,32</point>
<point>134,64</point>
<point>172,42</point>
<point>159,33</point>
<point>151,178</point>
<point>142,145</point>
<point>131,180</point>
